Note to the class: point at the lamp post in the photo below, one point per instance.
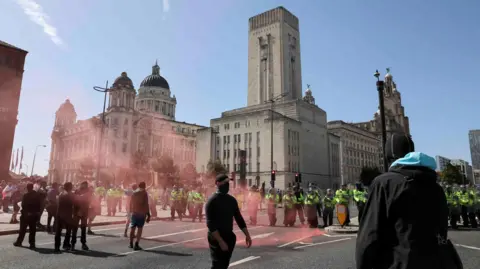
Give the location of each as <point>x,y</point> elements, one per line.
<point>272,102</point>
<point>35,156</point>
<point>380,89</point>
<point>99,151</point>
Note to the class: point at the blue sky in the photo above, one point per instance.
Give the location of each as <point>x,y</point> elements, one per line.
<point>201,47</point>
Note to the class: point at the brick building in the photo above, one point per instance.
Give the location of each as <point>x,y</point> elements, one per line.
<point>12,60</point>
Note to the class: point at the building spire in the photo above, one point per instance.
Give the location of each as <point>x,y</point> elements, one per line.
<point>156,68</point>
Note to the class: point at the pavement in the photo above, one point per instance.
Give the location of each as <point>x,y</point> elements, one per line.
<point>119,218</point>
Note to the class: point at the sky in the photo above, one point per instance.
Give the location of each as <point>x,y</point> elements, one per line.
<point>431,47</point>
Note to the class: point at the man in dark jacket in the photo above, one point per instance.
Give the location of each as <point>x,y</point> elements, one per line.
<point>405,213</point>
<point>64,219</point>
<point>31,206</point>
<point>83,197</point>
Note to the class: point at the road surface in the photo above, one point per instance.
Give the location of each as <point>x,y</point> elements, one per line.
<point>182,245</point>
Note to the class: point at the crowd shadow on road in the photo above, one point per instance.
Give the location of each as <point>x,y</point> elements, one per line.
<point>143,238</point>
<point>463,229</point>
<point>89,253</point>
<point>169,253</point>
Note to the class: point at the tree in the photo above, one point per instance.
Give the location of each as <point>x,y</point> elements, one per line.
<point>85,171</point>
<point>451,175</point>
<point>368,174</point>
<point>138,164</point>
<point>215,168</point>
<point>188,174</point>
<point>166,167</point>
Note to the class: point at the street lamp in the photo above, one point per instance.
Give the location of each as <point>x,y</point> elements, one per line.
<point>105,91</point>
<point>35,156</point>
<point>380,89</point>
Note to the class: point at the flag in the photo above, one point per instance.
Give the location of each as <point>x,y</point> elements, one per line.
<point>16,161</point>
<point>13,161</point>
<point>21,160</point>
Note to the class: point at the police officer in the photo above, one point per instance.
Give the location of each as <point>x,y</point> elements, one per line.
<point>176,203</point>
<point>453,206</point>
<point>254,200</point>
<point>360,197</point>
<point>298,204</point>
<point>289,208</point>
<point>311,201</point>
<point>31,206</point>
<point>328,207</point>
<point>272,200</point>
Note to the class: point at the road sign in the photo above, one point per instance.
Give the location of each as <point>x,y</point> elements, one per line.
<point>341,214</point>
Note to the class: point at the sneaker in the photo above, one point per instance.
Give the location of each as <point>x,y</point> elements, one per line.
<point>32,246</point>
<point>57,251</point>
<point>72,247</point>
<point>17,244</point>
<point>67,247</point>
<point>85,247</point>
<point>130,245</point>
<point>137,247</point>
<point>90,232</point>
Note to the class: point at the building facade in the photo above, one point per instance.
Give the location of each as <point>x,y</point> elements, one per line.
<point>474,139</point>
<point>442,162</point>
<point>358,149</point>
<point>335,155</point>
<point>12,62</point>
<point>465,168</point>
<point>276,116</point>
<point>142,121</point>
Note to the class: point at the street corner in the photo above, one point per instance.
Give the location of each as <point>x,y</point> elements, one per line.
<point>337,229</point>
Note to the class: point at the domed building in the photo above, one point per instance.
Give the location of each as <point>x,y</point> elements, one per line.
<point>140,120</point>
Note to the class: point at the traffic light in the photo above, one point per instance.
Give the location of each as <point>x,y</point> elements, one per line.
<point>273,175</point>
<point>298,178</point>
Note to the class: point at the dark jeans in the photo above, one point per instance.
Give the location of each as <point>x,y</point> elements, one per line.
<point>30,222</point>
<point>327,216</point>
<point>59,226</point>
<point>197,212</point>
<point>221,259</point>
<point>83,229</point>
<point>299,210</point>
<point>361,207</point>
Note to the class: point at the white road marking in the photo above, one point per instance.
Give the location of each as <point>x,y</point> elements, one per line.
<point>251,258</point>
<point>301,243</point>
<point>172,244</point>
<point>161,246</point>
<point>321,243</point>
<point>340,235</point>
<point>294,241</point>
<point>469,247</point>
<point>177,233</point>
<point>258,236</point>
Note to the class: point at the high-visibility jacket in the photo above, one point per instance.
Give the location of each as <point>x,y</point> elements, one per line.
<point>197,198</point>
<point>288,201</point>
<point>299,200</point>
<point>272,198</point>
<point>342,197</point>
<point>176,195</point>
<point>329,202</point>
<point>311,199</point>
<point>360,196</point>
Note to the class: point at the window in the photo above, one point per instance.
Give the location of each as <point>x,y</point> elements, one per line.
<point>124,147</point>
<point>125,133</point>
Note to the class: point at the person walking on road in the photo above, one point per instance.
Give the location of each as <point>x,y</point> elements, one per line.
<point>128,194</point>
<point>64,217</point>
<point>406,215</point>
<point>221,209</point>
<point>140,213</point>
<point>31,206</point>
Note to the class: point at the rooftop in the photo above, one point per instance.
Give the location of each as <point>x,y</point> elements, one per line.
<point>5,44</point>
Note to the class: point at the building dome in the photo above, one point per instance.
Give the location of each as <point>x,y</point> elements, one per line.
<point>123,80</point>
<point>66,107</point>
<point>155,79</point>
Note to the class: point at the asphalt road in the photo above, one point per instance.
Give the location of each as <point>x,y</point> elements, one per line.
<point>182,245</point>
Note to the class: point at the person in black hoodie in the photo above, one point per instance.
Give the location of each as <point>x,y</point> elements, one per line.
<point>405,214</point>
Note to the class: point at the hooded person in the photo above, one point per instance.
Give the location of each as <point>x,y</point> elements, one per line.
<point>406,212</point>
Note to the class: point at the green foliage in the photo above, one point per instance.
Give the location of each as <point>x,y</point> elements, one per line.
<point>138,161</point>
<point>368,174</point>
<point>85,172</point>
<point>167,170</point>
<point>451,175</point>
<point>215,168</point>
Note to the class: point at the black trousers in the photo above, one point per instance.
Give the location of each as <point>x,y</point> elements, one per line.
<point>176,206</point>
<point>83,228</point>
<point>30,222</point>
<point>312,218</point>
<point>59,226</point>
<point>327,216</point>
<point>220,258</point>
<point>360,207</point>
<point>197,212</point>
<point>299,210</point>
